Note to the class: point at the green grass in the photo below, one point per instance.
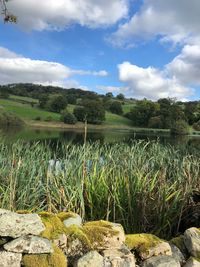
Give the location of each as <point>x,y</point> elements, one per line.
<point>23,98</point>
<point>113,119</point>
<point>25,111</point>
<point>144,186</point>
<point>127,107</point>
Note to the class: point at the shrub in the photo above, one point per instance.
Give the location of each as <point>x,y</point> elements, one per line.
<point>49,118</point>
<point>179,127</point>
<point>196,126</point>
<point>38,118</point>
<point>116,108</point>
<point>68,118</point>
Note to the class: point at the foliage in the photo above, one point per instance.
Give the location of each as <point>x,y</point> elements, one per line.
<point>92,111</point>
<point>142,112</point>
<point>56,103</point>
<point>196,126</point>
<point>109,95</point>
<point>116,108</point>
<point>155,122</point>
<point>179,127</point>
<point>121,183</point>
<point>68,117</point>
<point>8,119</point>
<point>120,97</point>
<point>8,17</point>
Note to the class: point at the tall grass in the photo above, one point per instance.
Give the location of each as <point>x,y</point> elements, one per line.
<point>144,186</point>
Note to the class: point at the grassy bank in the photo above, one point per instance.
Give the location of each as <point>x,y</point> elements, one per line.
<point>145,186</point>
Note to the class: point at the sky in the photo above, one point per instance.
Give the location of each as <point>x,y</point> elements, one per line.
<point>140,48</point>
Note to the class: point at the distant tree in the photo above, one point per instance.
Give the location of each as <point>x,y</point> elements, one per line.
<point>142,112</point>
<point>120,97</point>
<point>179,127</point>
<point>71,99</point>
<point>43,99</point>
<point>92,111</point>
<point>155,122</point>
<point>68,117</point>
<point>196,125</point>
<point>80,113</point>
<point>192,112</point>
<point>57,103</point>
<point>4,94</point>
<point>116,108</point>
<point>109,94</point>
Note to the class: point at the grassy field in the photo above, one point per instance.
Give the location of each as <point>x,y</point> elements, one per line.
<point>26,112</point>
<point>122,183</point>
<point>21,106</point>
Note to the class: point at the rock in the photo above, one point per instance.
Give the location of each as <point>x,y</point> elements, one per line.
<point>91,259</point>
<point>147,245</point>
<point>118,258</point>
<point>103,234</point>
<point>2,211</point>
<point>161,261</point>
<point>179,243</point>
<point>75,220</point>
<point>9,259</point>
<point>192,262</point>
<point>192,241</point>
<point>177,254</point>
<point>30,245</point>
<point>15,225</point>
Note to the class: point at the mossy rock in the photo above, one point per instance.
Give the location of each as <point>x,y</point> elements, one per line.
<point>147,245</point>
<point>179,243</point>
<point>66,215</point>
<point>141,241</point>
<point>54,226</point>
<point>103,234</point>
<point>55,259</point>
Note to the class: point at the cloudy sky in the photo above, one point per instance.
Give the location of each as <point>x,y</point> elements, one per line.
<point>141,48</point>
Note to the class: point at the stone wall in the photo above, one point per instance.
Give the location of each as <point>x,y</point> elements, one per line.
<point>61,240</point>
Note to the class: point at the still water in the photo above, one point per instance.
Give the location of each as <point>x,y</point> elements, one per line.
<point>102,136</point>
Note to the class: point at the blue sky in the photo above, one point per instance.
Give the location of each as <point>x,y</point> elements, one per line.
<point>139,48</point>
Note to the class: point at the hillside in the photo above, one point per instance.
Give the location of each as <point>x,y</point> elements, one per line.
<point>28,110</point>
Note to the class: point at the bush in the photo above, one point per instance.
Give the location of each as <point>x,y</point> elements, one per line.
<point>155,122</point>
<point>49,118</point>
<point>116,108</point>
<point>38,118</point>
<point>68,118</point>
<point>179,127</point>
<point>196,126</point>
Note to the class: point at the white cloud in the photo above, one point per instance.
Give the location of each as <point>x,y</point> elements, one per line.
<point>59,14</point>
<point>15,68</point>
<point>186,66</point>
<point>111,89</point>
<point>177,21</point>
<point>150,83</point>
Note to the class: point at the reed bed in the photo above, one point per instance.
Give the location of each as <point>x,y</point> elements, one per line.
<point>145,186</point>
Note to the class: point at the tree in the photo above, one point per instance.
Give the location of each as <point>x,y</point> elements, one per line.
<point>57,103</point>
<point>120,97</point>
<point>68,117</point>
<point>8,17</point>
<point>92,111</point>
<point>110,95</point>
<point>179,127</point>
<point>116,108</point>
<point>142,112</point>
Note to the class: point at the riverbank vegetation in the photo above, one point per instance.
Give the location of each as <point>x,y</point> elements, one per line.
<point>47,104</point>
<point>145,186</point>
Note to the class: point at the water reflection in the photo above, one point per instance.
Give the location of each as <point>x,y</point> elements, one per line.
<point>102,136</point>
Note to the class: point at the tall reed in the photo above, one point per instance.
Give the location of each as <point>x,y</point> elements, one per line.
<point>144,186</point>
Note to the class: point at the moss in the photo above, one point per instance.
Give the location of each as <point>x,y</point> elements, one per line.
<point>74,232</point>
<point>55,259</point>
<point>98,231</point>
<point>179,243</point>
<point>141,242</point>
<point>66,215</point>
<point>54,226</point>
<point>23,211</point>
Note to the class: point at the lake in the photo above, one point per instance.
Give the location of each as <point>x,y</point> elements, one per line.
<point>102,136</point>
